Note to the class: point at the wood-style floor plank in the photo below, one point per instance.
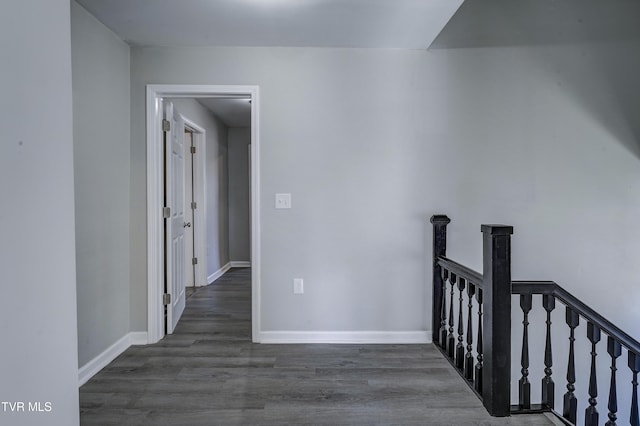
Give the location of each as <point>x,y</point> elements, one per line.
<point>209,373</point>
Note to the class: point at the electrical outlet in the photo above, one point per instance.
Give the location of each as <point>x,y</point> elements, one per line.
<point>283,201</point>
<point>298,286</point>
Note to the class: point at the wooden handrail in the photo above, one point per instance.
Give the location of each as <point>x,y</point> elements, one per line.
<point>568,299</point>
<point>460,270</point>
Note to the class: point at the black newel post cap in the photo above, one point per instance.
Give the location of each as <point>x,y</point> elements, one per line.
<point>440,219</point>
<point>497,229</point>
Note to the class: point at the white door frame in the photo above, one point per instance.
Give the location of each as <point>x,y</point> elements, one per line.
<point>155,196</point>
<point>199,137</point>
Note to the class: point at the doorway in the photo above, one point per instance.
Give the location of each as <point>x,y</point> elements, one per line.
<point>155,197</point>
<point>195,203</point>
<point>189,207</point>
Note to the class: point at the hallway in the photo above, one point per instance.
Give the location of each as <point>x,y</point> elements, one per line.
<point>209,373</point>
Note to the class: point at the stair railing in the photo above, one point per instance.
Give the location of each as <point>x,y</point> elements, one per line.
<point>489,372</point>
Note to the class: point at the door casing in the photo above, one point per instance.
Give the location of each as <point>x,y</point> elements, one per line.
<point>155,196</point>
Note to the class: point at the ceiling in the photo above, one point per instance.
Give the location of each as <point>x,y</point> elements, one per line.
<point>403,24</point>
<point>491,23</point>
<point>232,112</point>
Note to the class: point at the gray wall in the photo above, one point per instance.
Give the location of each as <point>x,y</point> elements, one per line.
<point>239,193</point>
<point>341,130</point>
<point>217,181</point>
<point>372,142</point>
<point>556,129</point>
<point>101,130</point>
<point>545,139</point>
<point>37,259</point>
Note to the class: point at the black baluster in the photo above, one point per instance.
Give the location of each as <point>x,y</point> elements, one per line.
<point>634,365</point>
<point>451,340</point>
<point>478,379</point>
<point>443,310</point>
<point>524,389</point>
<point>440,223</point>
<point>548,387</point>
<point>468,362</point>
<point>570,409</point>
<point>615,350</point>
<point>460,345</point>
<point>591,413</point>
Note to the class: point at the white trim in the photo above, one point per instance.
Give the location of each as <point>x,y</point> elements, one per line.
<point>94,366</point>
<point>256,295</point>
<point>200,197</point>
<point>138,338</point>
<point>155,228</point>
<point>217,274</point>
<point>347,337</point>
<point>220,272</point>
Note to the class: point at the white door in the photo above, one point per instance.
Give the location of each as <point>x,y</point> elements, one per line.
<point>190,267</point>
<point>250,207</point>
<point>174,225</point>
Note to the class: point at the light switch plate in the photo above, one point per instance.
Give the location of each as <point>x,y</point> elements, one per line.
<point>283,201</point>
<point>298,286</point>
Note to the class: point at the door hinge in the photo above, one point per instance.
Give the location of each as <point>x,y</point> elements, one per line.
<point>166,125</point>
<point>193,205</point>
<point>166,212</point>
<point>166,298</point>
<point>193,149</point>
<point>194,260</point>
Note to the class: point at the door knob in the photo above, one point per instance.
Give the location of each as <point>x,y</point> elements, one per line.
<point>187,224</point>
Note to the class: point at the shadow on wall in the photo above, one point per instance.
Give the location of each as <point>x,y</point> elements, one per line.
<point>599,73</point>
<point>603,81</point>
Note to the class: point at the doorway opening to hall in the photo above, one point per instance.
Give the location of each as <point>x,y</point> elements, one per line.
<point>208,183</point>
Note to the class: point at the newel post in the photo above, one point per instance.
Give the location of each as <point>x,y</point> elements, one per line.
<point>496,346</point>
<point>439,249</point>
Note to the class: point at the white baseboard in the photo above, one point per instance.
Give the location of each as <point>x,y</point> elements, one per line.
<point>352,337</point>
<point>138,338</point>
<point>217,274</point>
<point>233,264</point>
<point>92,367</point>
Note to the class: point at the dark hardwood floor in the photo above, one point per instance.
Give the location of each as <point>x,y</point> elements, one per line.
<point>209,373</point>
